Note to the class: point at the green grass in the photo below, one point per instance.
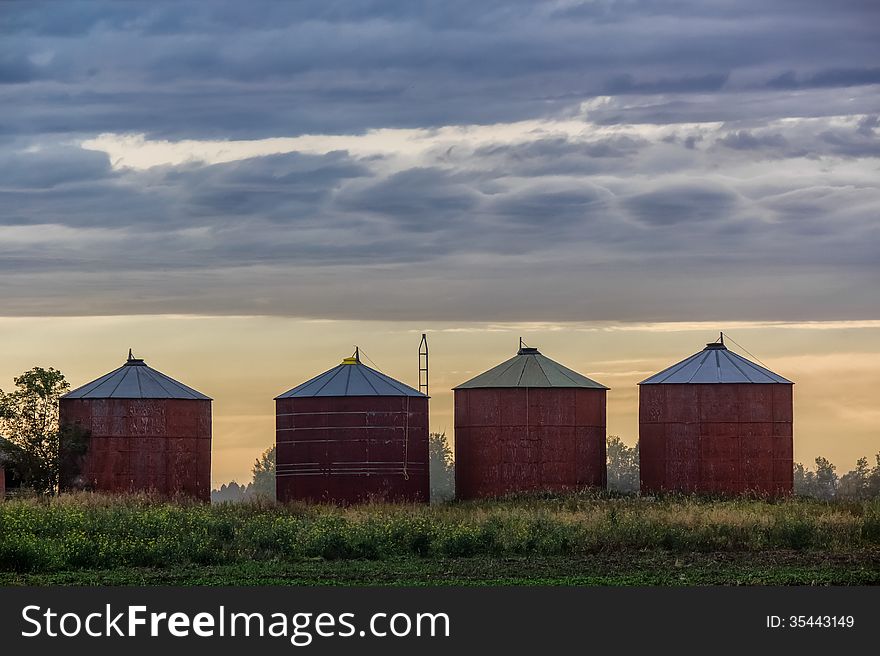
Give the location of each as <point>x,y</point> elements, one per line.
<point>584,538</point>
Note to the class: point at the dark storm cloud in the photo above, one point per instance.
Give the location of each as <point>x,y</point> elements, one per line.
<point>693,203</point>
<point>423,199</point>
<point>737,150</point>
<point>625,84</point>
<point>42,169</point>
<point>234,70</point>
<point>830,78</point>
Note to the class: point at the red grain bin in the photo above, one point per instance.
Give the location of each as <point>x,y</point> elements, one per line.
<point>528,424</point>
<point>352,435</point>
<point>148,433</point>
<point>716,423</point>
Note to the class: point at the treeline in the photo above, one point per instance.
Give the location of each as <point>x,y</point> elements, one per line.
<point>262,485</point>
<point>822,482</point>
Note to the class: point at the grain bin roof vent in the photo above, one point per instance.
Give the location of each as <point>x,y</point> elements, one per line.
<point>135,380</point>
<point>529,368</point>
<point>715,364</point>
<point>351,378</point>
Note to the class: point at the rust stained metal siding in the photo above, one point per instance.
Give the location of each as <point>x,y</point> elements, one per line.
<point>159,441</point>
<point>352,449</point>
<point>159,445</point>
<point>516,440</point>
<point>542,428</point>
<point>349,435</point>
<point>720,438</point>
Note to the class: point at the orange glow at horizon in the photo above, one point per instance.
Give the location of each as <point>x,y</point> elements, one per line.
<point>244,362</point>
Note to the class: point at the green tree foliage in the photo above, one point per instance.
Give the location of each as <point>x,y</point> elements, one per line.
<point>863,482</point>
<point>263,484</point>
<point>826,478</point>
<point>804,481</point>
<point>623,465</point>
<point>855,484</point>
<point>43,455</point>
<point>442,468</point>
<point>231,492</point>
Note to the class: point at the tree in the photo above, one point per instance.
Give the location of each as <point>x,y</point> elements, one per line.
<point>231,493</point>
<point>263,484</point>
<point>855,484</point>
<point>442,467</point>
<point>35,446</point>
<point>874,479</point>
<point>623,465</point>
<point>826,479</point>
<point>804,481</point>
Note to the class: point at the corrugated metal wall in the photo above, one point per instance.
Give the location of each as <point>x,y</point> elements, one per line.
<point>718,438</point>
<point>352,449</point>
<point>161,445</point>
<point>520,439</point>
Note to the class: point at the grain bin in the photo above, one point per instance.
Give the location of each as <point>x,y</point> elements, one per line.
<point>528,424</point>
<point>148,432</point>
<point>716,423</point>
<point>349,435</point>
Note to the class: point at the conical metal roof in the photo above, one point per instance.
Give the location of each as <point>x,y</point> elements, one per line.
<point>135,380</point>
<point>529,368</point>
<point>351,378</point>
<point>715,364</point>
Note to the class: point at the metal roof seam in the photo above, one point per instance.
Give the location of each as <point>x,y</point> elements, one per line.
<point>121,379</point>
<point>158,380</point>
<point>738,368</point>
<point>673,368</point>
<point>386,379</point>
<point>360,380</point>
<point>565,372</point>
<point>329,380</point>
<point>543,371</point>
<point>513,362</point>
<point>729,368</point>
<point>195,394</point>
<point>89,387</point>
<point>763,370</point>
<point>522,373</point>
<point>702,362</point>
<point>127,382</point>
<point>372,387</point>
<point>401,387</point>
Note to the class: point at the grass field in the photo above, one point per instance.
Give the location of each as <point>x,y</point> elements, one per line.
<point>577,539</point>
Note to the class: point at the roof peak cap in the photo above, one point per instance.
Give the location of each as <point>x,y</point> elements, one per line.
<point>717,345</point>
<point>526,350</point>
<point>132,361</point>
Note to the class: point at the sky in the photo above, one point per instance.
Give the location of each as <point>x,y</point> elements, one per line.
<point>242,191</point>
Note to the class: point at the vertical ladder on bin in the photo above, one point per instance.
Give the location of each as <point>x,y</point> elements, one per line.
<point>423,365</point>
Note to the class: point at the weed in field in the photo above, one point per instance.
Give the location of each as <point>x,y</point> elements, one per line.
<point>94,531</point>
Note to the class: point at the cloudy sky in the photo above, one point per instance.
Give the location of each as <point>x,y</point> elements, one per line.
<point>614,179</point>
